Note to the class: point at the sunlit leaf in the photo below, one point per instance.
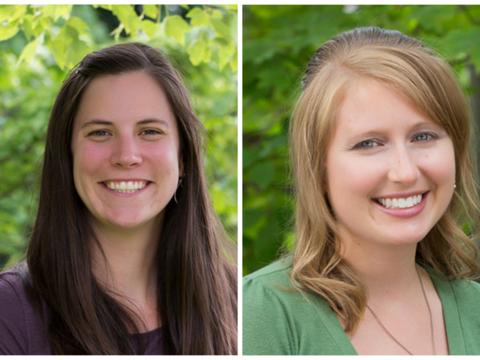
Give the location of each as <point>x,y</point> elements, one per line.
<point>8,31</point>
<point>197,51</point>
<point>128,18</point>
<point>176,27</point>
<point>151,11</point>
<point>221,29</point>
<point>29,51</point>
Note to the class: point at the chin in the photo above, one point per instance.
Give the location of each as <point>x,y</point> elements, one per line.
<point>405,239</point>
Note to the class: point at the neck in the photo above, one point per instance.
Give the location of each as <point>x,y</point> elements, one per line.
<point>385,270</point>
<point>129,267</point>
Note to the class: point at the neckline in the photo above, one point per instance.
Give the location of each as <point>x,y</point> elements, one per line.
<point>456,343</point>
<point>156,331</point>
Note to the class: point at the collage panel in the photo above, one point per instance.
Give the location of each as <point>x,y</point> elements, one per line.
<point>118,173</point>
<point>360,190</point>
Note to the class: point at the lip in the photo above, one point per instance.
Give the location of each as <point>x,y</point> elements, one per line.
<point>404,213</point>
<point>138,192</point>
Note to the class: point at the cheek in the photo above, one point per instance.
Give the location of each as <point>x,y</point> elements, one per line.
<point>351,179</point>
<point>164,155</point>
<point>87,161</point>
<point>439,165</point>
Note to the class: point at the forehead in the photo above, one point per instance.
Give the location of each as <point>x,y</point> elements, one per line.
<point>132,97</point>
<point>370,105</point>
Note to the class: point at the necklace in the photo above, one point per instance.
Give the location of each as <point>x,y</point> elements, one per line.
<point>429,312</point>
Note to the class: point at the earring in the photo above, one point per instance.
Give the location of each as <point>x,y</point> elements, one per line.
<point>180,180</point>
<point>454,186</point>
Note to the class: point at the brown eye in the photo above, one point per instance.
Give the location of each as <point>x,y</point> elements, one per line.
<point>98,133</point>
<point>150,132</point>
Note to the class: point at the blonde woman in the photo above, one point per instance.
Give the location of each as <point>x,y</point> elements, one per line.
<point>385,188</point>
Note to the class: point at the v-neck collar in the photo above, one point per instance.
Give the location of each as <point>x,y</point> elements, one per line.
<point>455,338</point>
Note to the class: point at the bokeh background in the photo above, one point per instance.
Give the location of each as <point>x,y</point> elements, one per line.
<point>278,43</point>
<point>40,44</point>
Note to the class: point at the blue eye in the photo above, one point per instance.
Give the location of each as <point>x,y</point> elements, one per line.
<point>424,137</point>
<point>366,144</point>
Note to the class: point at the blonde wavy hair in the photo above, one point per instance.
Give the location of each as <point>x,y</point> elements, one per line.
<point>409,67</point>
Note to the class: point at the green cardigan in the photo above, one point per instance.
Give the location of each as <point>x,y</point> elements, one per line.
<point>277,322</point>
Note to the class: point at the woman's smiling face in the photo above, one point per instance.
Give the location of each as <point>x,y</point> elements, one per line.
<point>125,146</point>
<point>390,169</point>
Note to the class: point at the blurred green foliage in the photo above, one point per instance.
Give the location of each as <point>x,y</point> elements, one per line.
<point>278,43</point>
<point>39,44</point>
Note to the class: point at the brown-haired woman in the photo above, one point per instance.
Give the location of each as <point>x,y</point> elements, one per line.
<point>126,252</point>
<point>385,186</point>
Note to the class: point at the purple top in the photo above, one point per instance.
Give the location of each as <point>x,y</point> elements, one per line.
<point>24,331</point>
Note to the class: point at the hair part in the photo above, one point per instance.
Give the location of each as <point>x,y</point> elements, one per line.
<point>407,66</point>
<point>197,286</point>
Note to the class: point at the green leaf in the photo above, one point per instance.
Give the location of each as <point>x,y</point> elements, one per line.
<point>76,52</point>
<point>234,63</point>
<point>262,174</point>
<point>7,12</point>
<point>29,26</point>
<point>57,11</point>
<point>60,45</point>
<point>185,6</point>
<point>221,28</point>
<point>217,14</point>
<point>464,42</point>
<point>12,12</point>
<point>62,11</point>
<point>79,25</point>
<point>151,11</point>
<point>128,18</point>
<point>200,18</point>
<point>224,56</point>
<point>151,28</point>
<point>8,31</point>
<point>29,52</point>
<point>106,7</point>
<point>194,12</point>
<point>197,51</point>
<point>176,27</point>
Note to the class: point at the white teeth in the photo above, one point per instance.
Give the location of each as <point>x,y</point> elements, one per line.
<point>126,187</point>
<point>401,203</point>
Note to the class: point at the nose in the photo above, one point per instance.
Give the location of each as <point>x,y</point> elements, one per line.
<point>126,153</point>
<point>403,167</point>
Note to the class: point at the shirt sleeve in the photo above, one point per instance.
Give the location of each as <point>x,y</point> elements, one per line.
<point>266,329</point>
<point>13,329</point>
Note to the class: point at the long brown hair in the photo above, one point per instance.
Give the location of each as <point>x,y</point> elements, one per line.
<point>197,286</point>
<point>406,65</point>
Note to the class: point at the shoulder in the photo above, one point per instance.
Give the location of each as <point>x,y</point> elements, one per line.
<point>21,328</point>
<point>271,284</point>
<point>278,319</point>
<point>466,292</point>
<point>13,331</point>
<point>467,296</point>
<point>271,276</point>
<point>11,290</point>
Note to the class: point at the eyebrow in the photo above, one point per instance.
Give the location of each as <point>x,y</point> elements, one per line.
<point>109,123</point>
